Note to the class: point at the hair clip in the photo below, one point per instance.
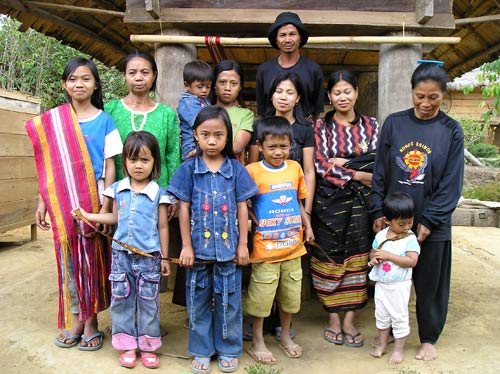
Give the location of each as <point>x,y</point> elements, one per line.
<point>437,62</point>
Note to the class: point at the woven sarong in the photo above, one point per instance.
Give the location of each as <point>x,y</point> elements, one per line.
<point>67,181</point>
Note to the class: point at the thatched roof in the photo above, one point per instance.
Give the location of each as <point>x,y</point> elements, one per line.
<point>100,31</point>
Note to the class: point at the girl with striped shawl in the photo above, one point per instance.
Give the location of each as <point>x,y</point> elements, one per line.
<point>344,156</point>
<point>74,146</point>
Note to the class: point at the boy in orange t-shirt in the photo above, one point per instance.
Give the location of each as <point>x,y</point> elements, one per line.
<point>278,214</point>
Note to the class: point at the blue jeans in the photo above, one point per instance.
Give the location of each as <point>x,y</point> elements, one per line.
<point>213,295</point>
<point>134,307</point>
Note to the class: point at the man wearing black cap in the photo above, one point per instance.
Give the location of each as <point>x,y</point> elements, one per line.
<point>288,34</point>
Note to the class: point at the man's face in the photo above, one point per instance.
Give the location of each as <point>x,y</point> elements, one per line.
<point>288,39</point>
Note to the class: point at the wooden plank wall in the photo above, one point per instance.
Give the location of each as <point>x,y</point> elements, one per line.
<point>18,177</point>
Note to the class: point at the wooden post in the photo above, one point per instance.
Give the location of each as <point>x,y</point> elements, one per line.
<point>396,65</point>
<point>424,10</point>
<point>171,60</point>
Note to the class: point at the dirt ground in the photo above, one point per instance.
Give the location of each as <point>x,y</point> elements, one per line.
<point>470,342</point>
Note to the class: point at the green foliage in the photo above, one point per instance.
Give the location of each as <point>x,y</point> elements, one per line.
<point>485,192</point>
<point>33,63</point>
<point>474,131</point>
<point>490,79</point>
<point>483,150</point>
<point>260,369</point>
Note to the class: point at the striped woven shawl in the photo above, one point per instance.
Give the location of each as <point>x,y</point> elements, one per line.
<point>67,181</point>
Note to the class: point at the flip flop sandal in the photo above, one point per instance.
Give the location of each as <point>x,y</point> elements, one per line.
<point>61,344</point>
<point>255,355</point>
<point>336,341</point>
<point>128,360</point>
<point>290,350</point>
<point>150,360</point>
<point>202,361</point>
<point>227,360</point>
<point>277,333</point>
<point>352,343</point>
<point>87,347</point>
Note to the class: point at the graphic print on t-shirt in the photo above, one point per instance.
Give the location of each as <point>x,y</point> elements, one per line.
<point>413,159</point>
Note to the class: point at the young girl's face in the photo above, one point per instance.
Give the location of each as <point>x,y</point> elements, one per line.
<point>211,136</point>
<point>285,97</point>
<point>139,75</point>
<point>227,87</point>
<point>400,225</point>
<point>80,84</point>
<point>140,168</point>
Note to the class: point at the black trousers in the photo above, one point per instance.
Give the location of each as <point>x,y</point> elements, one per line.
<point>431,279</point>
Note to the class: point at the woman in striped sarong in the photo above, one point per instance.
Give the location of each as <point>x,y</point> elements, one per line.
<point>74,146</point>
<point>344,156</point>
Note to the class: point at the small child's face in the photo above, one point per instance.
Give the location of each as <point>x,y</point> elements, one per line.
<point>211,136</point>
<point>198,88</point>
<point>141,167</point>
<point>275,149</point>
<point>400,225</point>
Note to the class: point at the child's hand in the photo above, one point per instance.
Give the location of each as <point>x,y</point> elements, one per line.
<point>191,154</point>
<point>308,234</point>
<point>171,211</point>
<point>40,216</point>
<point>82,211</point>
<point>242,255</point>
<point>186,258</point>
<point>381,255</point>
<point>374,261</point>
<point>165,268</point>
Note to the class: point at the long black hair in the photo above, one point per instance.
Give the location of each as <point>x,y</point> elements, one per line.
<point>75,63</point>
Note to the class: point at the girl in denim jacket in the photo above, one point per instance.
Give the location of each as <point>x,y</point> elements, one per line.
<point>212,189</point>
<point>140,212</point>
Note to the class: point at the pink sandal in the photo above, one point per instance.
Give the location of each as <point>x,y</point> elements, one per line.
<point>150,360</point>
<point>128,360</point>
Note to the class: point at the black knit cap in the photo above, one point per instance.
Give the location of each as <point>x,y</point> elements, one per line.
<point>287,18</point>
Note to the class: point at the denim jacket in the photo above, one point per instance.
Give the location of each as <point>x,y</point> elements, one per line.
<point>189,107</point>
<point>137,214</point>
<point>213,197</point>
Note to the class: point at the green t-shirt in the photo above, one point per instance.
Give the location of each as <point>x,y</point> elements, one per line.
<point>162,122</point>
<point>241,119</point>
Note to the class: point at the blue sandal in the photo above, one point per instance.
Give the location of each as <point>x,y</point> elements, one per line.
<point>227,360</point>
<point>63,344</point>
<point>202,361</point>
<point>87,347</point>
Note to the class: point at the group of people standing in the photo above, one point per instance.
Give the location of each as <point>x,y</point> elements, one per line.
<point>332,182</point>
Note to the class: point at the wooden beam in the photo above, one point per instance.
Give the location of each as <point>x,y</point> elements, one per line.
<point>75,28</point>
<point>464,21</point>
<point>453,70</point>
<point>424,10</point>
<point>179,16</point>
<point>153,8</point>
<point>228,41</point>
<point>33,4</point>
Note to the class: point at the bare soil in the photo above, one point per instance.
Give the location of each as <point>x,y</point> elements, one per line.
<point>469,344</point>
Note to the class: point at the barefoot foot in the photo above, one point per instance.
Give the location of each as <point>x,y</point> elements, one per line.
<point>378,351</point>
<point>427,352</point>
<point>376,341</point>
<point>397,357</point>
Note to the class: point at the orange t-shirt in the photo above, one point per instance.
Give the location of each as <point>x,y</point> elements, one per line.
<point>276,207</point>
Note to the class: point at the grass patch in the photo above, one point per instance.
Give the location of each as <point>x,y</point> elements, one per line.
<point>485,192</point>
<point>261,369</point>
